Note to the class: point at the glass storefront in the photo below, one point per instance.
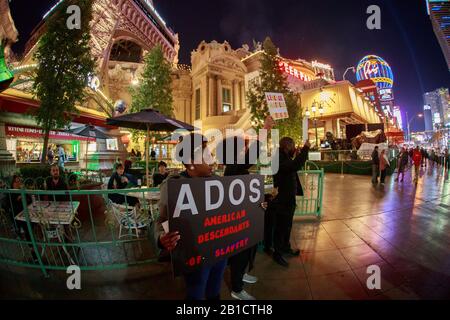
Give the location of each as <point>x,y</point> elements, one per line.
<point>29,150</point>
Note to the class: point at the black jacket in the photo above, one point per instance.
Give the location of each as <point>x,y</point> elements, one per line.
<point>287,180</point>
<point>375,158</point>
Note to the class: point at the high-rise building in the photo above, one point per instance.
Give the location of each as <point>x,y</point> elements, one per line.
<point>439,103</point>
<point>439,11</point>
<point>428,118</point>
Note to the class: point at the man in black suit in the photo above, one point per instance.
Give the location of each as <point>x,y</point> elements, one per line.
<point>282,208</point>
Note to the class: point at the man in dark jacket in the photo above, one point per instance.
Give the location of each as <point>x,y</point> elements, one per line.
<point>375,166</point>
<point>118,180</point>
<point>286,180</point>
<point>56,183</point>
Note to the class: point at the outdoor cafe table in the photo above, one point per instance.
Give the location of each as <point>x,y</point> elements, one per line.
<point>51,212</point>
<point>56,213</point>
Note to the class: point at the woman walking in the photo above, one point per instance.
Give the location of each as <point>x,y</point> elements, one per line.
<point>384,165</point>
<point>402,164</point>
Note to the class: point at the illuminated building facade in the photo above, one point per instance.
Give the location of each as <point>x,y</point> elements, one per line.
<point>218,71</point>
<point>122,32</point>
<point>8,36</point>
<point>439,103</point>
<point>439,12</point>
<point>376,69</point>
<point>428,118</point>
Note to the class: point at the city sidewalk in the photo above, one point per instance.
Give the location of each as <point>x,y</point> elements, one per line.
<point>402,228</point>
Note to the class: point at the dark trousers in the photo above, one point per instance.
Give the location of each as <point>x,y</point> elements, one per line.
<point>375,173</point>
<point>383,175</point>
<point>284,215</point>
<point>269,224</point>
<point>205,282</point>
<point>238,266</point>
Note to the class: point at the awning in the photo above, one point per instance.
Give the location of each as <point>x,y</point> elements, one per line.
<point>34,132</point>
<point>396,134</point>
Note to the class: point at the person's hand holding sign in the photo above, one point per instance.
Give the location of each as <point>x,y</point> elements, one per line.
<point>169,240</point>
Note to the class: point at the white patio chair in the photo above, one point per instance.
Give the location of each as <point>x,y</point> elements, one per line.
<point>129,218</point>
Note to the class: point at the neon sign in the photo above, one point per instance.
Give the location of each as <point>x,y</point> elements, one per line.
<point>377,69</point>
<point>286,67</point>
<point>369,69</point>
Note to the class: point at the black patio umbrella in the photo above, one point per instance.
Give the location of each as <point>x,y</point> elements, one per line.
<point>149,120</point>
<point>89,131</point>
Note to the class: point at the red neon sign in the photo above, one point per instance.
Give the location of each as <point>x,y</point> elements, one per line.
<point>285,67</point>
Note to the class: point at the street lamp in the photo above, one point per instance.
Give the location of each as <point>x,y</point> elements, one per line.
<point>316,107</point>
<point>348,69</point>
<point>419,115</point>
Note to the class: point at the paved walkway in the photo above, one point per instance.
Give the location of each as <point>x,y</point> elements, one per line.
<point>402,228</point>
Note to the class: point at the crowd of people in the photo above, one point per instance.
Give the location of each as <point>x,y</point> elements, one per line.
<point>407,158</point>
<point>205,283</point>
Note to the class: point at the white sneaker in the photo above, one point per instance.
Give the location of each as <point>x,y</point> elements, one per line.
<point>249,279</point>
<point>243,295</point>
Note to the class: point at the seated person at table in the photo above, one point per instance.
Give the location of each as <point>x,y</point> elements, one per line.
<point>162,174</point>
<point>15,203</point>
<point>55,182</point>
<point>119,181</point>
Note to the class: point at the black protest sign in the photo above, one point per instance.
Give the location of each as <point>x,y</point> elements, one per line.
<point>216,217</point>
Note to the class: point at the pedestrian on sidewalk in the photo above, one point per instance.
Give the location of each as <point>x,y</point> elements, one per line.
<point>417,159</point>
<point>291,160</point>
<point>384,165</point>
<point>402,164</point>
<point>375,166</point>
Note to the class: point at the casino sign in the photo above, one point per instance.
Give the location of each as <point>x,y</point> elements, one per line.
<point>377,69</point>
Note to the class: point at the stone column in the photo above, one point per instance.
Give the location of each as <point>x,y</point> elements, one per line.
<point>211,102</point>
<point>7,162</point>
<point>243,104</point>
<point>219,97</point>
<point>236,95</point>
<point>338,129</point>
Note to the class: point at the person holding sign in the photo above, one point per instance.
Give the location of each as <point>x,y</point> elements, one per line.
<point>243,260</point>
<point>282,207</point>
<point>206,281</point>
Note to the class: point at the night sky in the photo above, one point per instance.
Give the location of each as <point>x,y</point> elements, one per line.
<point>330,31</point>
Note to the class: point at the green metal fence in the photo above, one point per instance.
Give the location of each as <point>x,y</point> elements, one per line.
<point>52,230</point>
<point>310,204</point>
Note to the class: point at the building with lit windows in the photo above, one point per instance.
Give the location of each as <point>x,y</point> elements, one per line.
<point>222,76</point>
<point>439,12</point>
<point>439,104</point>
<point>428,118</point>
<point>122,32</point>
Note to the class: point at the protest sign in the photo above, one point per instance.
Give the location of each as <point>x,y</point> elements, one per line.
<point>277,105</point>
<point>216,218</point>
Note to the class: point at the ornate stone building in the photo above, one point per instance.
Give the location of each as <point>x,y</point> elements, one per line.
<point>122,32</point>
<point>218,84</point>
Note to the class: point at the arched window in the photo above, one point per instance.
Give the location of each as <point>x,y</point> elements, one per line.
<point>127,51</point>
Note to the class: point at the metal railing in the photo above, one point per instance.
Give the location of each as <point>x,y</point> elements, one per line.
<point>51,230</point>
<point>310,204</point>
